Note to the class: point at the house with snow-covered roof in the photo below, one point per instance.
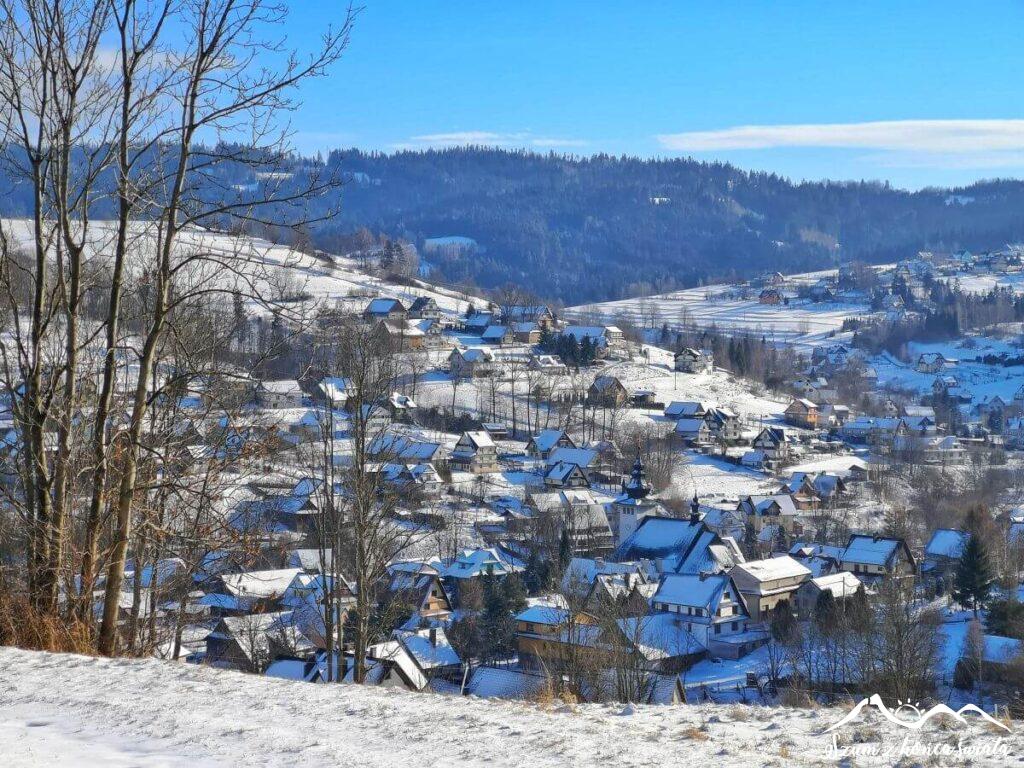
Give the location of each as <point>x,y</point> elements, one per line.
<point>674,545</point>
<point>544,442</point>
<point>280,393</point>
<point>385,309</point>
<point>873,558</point>
<point>686,409</point>
<point>694,360</point>
<point>773,443</point>
<point>842,585</point>
<point>709,607</point>
<point>766,584</point>
<point>475,452</point>
<point>777,509</point>
<point>802,413</point>
<point>943,551</point>
<point>565,474</point>
<point>692,432</point>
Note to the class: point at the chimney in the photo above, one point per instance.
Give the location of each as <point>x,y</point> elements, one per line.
<point>433,637</point>
<point>694,510</point>
<point>702,575</point>
<point>599,563</point>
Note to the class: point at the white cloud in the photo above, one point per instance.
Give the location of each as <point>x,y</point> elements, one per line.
<point>935,136</point>
<point>490,139</point>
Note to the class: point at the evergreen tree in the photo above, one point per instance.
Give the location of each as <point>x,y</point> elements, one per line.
<point>826,612</point>
<point>858,609</point>
<point>514,594</point>
<point>973,575</point>
<point>782,625</point>
<point>564,551</point>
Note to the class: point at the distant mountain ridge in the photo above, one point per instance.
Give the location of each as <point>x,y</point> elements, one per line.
<point>582,229</point>
<point>603,227</point>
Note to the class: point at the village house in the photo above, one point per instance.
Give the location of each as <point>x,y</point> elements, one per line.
<point>686,409</point>
<point>425,308</point>
<point>802,413</point>
<point>477,322</point>
<point>710,608</point>
<point>936,449</point>
<point>943,552</point>
<point>761,511</point>
<point>770,296</point>
<point>608,391</point>
<point>552,365</point>
<point>810,489</point>
<point>545,633</point>
<point>602,338</point>
<point>843,585</point>
<point>418,587</point>
<point>333,391</point>
<point>475,452</point>
<point>693,432</point>
<point>281,393</point>
<point>502,335</point>
<point>565,474</point>
<point>878,431</point>
<point>544,442</point>
<point>934,362</point>
<point>674,545</point>
<point>765,584</point>
<point>471,566</point>
<point>819,559</point>
<point>242,642</point>
<point>399,335</point>
<point>594,580</point>
<point>526,333</point>
<point>873,558</point>
<point>694,360</point>
<point>772,443</point>
<point>471,363</point>
<point>723,424</point>
<point>536,314</point>
<point>385,309</point>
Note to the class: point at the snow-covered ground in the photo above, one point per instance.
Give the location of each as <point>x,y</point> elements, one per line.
<point>734,310</point>
<point>270,268</point>
<point>84,712</point>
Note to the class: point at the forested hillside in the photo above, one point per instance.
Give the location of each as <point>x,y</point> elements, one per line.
<point>604,227</point>
<point>599,228</point>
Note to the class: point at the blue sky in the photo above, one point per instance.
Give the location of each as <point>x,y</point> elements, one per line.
<point>917,93</point>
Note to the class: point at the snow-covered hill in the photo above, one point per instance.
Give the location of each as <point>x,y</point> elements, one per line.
<point>732,309</point>
<point>61,710</point>
<point>249,262</point>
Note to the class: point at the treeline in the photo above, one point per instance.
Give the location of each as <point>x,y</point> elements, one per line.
<point>947,313</point>
<point>744,355</point>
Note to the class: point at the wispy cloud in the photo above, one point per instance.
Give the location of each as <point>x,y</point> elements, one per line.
<point>924,136</point>
<point>490,139</point>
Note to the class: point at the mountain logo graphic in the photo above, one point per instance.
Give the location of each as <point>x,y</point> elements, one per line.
<point>921,717</point>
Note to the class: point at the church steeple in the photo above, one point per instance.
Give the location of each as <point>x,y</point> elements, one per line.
<point>637,487</point>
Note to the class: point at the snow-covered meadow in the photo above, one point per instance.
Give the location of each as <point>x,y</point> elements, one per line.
<point>87,712</point>
<point>733,309</point>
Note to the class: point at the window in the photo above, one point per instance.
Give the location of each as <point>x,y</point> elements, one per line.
<point>735,626</point>
<point>718,628</point>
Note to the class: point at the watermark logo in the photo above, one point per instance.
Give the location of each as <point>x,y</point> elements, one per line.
<point>909,716</point>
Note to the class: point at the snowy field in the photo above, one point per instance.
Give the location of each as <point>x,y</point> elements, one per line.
<point>801,323</point>
<point>983,381</point>
<point>271,268</point>
<point>59,710</point>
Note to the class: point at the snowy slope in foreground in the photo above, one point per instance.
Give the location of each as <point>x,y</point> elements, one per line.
<point>73,710</point>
